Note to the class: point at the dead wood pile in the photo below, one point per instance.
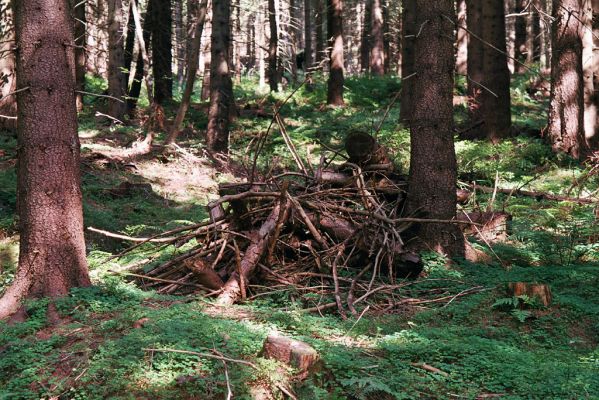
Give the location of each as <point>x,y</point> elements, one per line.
<point>321,234</point>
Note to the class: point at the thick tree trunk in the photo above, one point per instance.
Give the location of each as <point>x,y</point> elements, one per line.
<point>273,47</point>
<point>80,42</point>
<point>221,87</point>
<point>566,108</point>
<point>365,39</point>
<point>8,81</point>
<point>117,84</point>
<point>408,18</point>
<point>461,64</point>
<point>335,26</point>
<point>433,169</point>
<point>496,75</point>
<point>319,32</point>
<point>162,50</point>
<point>308,47</point>
<point>588,70</point>
<point>192,69</point>
<point>377,42</point>
<point>52,248</point>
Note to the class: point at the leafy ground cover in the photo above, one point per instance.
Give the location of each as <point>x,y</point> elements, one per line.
<point>483,345</point>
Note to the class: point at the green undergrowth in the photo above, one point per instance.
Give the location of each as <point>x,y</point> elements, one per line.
<point>481,344</point>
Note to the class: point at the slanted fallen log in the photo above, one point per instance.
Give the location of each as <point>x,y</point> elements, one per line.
<point>259,241</point>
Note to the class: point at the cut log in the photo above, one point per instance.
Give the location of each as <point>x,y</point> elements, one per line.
<point>298,355</point>
<point>232,291</point>
<point>533,290</point>
<point>493,226</point>
<point>364,150</point>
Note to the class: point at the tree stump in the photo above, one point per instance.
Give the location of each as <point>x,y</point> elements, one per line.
<point>364,150</point>
<point>293,353</point>
<point>540,291</point>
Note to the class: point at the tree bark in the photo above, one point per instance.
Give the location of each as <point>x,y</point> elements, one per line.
<point>475,67</point>
<point>335,26</point>
<point>566,108</point>
<point>162,50</point>
<point>117,84</point>
<point>365,39</point>
<point>377,42</point>
<point>308,46</point>
<point>461,64</point>
<point>80,57</point>
<point>52,248</point>
<point>221,87</point>
<point>192,69</point>
<point>521,36</point>
<point>433,167</point>
<point>408,18</point>
<point>179,40</point>
<point>142,67</point>
<point>510,27</point>
<point>129,44</point>
<point>273,44</point>
<point>319,32</point>
<point>588,70</point>
<point>495,106</point>
<point>8,81</point>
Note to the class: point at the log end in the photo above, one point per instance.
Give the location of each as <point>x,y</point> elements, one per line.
<point>293,353</point>
<point>541,292</point>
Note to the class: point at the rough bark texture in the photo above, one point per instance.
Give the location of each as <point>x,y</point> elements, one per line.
<point>221,87</point>
<point>566,108</point>
<point>377,42</point>
<point>496,75</point>
<point>117,84</point>
<point>475,66</point>
<point>433,169</point>
<point>461,63</point>
<point>78,10</point>
<point>52,248</point>
<point>408,18</point>
<point>588,70</point>
<point>8,81</point>
<point>308,47</point>
<point>273,44</point>
<point>335,26</point>
<point>192,68</point>
<point>365,37</point>
<point>162,50</point>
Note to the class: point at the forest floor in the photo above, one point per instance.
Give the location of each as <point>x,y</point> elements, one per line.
<point>479,346</point>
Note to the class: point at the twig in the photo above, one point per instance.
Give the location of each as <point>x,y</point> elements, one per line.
<point>206,355</point>
<point>130,238</point>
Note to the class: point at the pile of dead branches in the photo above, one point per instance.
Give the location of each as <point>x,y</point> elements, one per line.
<point>331,232</point>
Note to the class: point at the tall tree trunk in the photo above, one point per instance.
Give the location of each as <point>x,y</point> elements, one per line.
<point>544,28</point>
<point>52,248</point>
<point>192,69</point>
<point>475,67</point>
<point>135,89</point>
<point>117,84</point>
<point>273,44</point>
<point>588,70</point>
<point>129,44</point>
<point>377,42</point>
<point>496,105</point>
<point>409,32</point>
<point>386,37</point>
<point>510,31</point>
<point>335,26</point>
<point>179,40</point>
<point>8,81</point>
<point>319,32</point>
<point>260,45</point>
<point>237,42</point>
<point>162,50</point>
<point>365,39</point>
<point>221,87</point>
<point>566,108</point>
<point>433,167</point>
<point>521,38</point>
<point>461,64</point>
<point>80,42</point>
<point>308,50</point>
